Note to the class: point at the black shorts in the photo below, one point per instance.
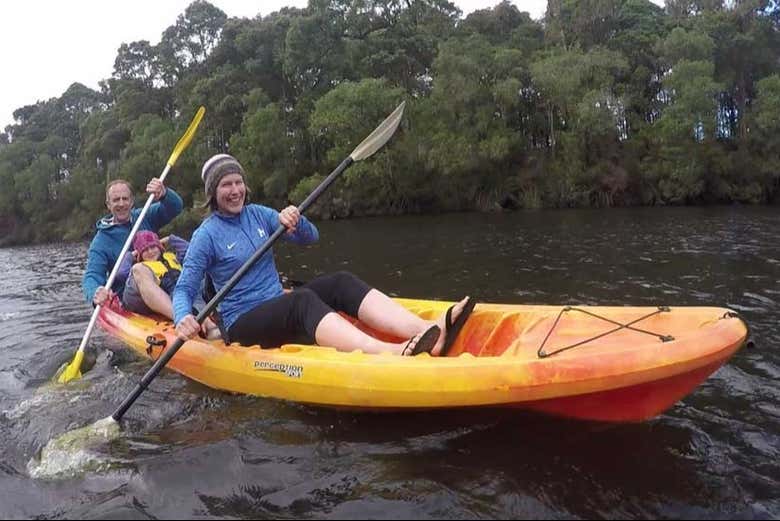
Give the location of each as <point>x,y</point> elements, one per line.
<point>293,318</point>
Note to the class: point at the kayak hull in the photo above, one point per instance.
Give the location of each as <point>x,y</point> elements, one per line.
<point>625,375</point>
<point>626,404</point>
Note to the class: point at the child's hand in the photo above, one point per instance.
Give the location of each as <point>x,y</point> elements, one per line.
<point>164,241</point>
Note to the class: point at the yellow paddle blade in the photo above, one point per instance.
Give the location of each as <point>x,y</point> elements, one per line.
<point>71,371</point>
<point>187,137</point>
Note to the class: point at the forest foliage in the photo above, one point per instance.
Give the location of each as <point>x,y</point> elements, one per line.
<point>601,103</point>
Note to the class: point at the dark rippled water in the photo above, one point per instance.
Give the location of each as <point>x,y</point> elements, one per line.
<point>188,451</point>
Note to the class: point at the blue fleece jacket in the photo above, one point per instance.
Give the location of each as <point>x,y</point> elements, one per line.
<point>220,246</point>
<point>107,244</point>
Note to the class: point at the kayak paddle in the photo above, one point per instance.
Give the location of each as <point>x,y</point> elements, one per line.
<point>72,371</point>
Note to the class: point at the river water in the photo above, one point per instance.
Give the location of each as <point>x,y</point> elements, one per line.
<point>187,451</point>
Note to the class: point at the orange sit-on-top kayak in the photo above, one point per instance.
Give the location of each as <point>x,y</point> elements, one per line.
<point>597,363</point>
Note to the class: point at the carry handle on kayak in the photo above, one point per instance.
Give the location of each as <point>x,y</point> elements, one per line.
<point>376,140</point>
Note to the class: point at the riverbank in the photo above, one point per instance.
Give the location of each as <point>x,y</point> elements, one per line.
<point>13,233</point>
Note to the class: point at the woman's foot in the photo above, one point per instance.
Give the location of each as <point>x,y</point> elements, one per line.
<point>422,343</point>
<point>457,309</point>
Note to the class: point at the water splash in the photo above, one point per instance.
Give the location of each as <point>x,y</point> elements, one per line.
<point>23,407</point>
<point>72,454</point>
<point>46,395</point>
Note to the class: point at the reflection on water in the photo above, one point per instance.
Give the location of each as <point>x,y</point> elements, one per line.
<point>189,451</point>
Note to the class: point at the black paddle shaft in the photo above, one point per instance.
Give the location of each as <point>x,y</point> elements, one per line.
<point>212,304</point>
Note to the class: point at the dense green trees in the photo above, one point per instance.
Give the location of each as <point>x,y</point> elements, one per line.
<point>602,103</point>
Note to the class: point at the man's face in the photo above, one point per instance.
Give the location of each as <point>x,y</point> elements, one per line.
<point>120,202</point>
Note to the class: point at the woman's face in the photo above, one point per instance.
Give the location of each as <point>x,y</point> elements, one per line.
<point>231,193</point>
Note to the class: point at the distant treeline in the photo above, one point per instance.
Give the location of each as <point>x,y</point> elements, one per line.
<point>602,103</point>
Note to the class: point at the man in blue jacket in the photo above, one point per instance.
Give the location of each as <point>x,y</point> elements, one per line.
<point>114,229</point>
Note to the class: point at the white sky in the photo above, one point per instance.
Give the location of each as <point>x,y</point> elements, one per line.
<point>46,45</point>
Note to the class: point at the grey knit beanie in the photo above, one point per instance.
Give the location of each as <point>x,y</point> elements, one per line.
<point>217,167</point>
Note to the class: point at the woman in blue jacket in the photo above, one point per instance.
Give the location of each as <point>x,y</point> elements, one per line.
<point>257,310</point>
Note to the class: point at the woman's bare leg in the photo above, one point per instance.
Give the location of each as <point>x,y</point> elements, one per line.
<point>382,313</point>
<point>334,330</point>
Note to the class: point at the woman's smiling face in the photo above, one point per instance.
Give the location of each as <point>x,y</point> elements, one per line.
<point>231,194</point>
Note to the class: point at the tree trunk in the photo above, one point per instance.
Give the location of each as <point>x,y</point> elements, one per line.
<point>552,129</point>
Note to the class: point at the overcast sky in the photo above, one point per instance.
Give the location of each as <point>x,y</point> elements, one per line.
<point>46,45</point>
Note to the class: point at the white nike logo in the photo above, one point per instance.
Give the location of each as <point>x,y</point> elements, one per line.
<point>230,246</point>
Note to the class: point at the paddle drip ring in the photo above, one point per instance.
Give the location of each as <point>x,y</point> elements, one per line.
<point>541,353</point>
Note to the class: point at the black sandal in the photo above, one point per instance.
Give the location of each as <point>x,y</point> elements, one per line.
<point>453,328</point>
<point>426,342</point>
